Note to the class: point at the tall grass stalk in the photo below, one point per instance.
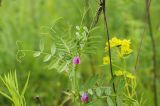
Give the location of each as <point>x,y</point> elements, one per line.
<point>108,38</point>
<point>148,2</point>
<point>11,84</point>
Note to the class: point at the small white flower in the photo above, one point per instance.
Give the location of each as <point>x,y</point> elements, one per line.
<point>77,27</point>
<point>77,33</point>
<point>85,28</point>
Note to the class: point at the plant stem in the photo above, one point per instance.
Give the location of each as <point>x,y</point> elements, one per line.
<point>98,13</point>
<point>108,38</point>
<point>73,83</point>
<point>75,86</point>
<point>148,2</point>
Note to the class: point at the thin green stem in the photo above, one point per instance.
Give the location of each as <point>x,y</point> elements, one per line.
<point>148,2</point>
<point>116,66</point>
<point>74,83</point>
<point>75,86</point>
<point>98,13</point>
<point>108,38</point>
<point>33,51</point>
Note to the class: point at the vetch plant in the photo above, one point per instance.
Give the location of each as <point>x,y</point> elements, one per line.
<point>72,52</point>
<point>65,55</point>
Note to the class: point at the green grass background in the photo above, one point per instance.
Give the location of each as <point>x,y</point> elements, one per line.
<point>21,20</point>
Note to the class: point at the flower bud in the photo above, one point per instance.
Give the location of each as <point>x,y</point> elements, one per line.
<point>76,60</point>
<point>84,98</point>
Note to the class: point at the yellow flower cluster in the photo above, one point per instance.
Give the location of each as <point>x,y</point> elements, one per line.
<point>106,60</point>
<point>124,45</point>
<point>124,73</point>
<point>114,42</point>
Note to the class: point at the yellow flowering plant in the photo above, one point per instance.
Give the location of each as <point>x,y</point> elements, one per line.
<point>106,60</point>
<point>124,80</point>
<point>124,45</point>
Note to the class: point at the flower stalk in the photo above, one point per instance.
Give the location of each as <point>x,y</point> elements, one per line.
<point>108,38</point>
<point>148,2</point>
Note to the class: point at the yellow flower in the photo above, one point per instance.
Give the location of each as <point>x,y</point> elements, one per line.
<point>124,73</point>
<point>119,73</point>
<point>130,76</point>
<point>125,48</point>
<point>114,42</point>
<point>106,60</point>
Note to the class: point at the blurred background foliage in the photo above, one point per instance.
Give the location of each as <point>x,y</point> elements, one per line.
<point>22,20</point>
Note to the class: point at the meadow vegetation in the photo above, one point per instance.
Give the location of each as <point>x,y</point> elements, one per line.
<point>79,52</point>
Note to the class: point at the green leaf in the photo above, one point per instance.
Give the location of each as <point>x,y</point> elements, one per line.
<point>25,86</point>
<point>108,91</point>
<point>102,80</point>
<point>121,85</point>
<point>41,45</point>
<point>98,91</point>
<point>5,95</point>
<point>54,64</point>
<point>36,54</point>
<point>109,101</point>
<point>16,81</point>
<point>47,58</point>
<point>11,84</point>
<point>93,29</point>
<point>63,67</point>
<point>65,100</point>
<point>53,49</point>
<point>90,91</point>
<point>135,103</point>
<point>119,101</point>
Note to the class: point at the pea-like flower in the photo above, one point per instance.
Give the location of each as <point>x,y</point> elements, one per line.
<point>84,98</point>
<point>76,60</point>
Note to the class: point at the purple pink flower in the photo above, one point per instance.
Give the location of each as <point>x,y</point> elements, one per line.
<point>76,60</point>
<point>84,98</point>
